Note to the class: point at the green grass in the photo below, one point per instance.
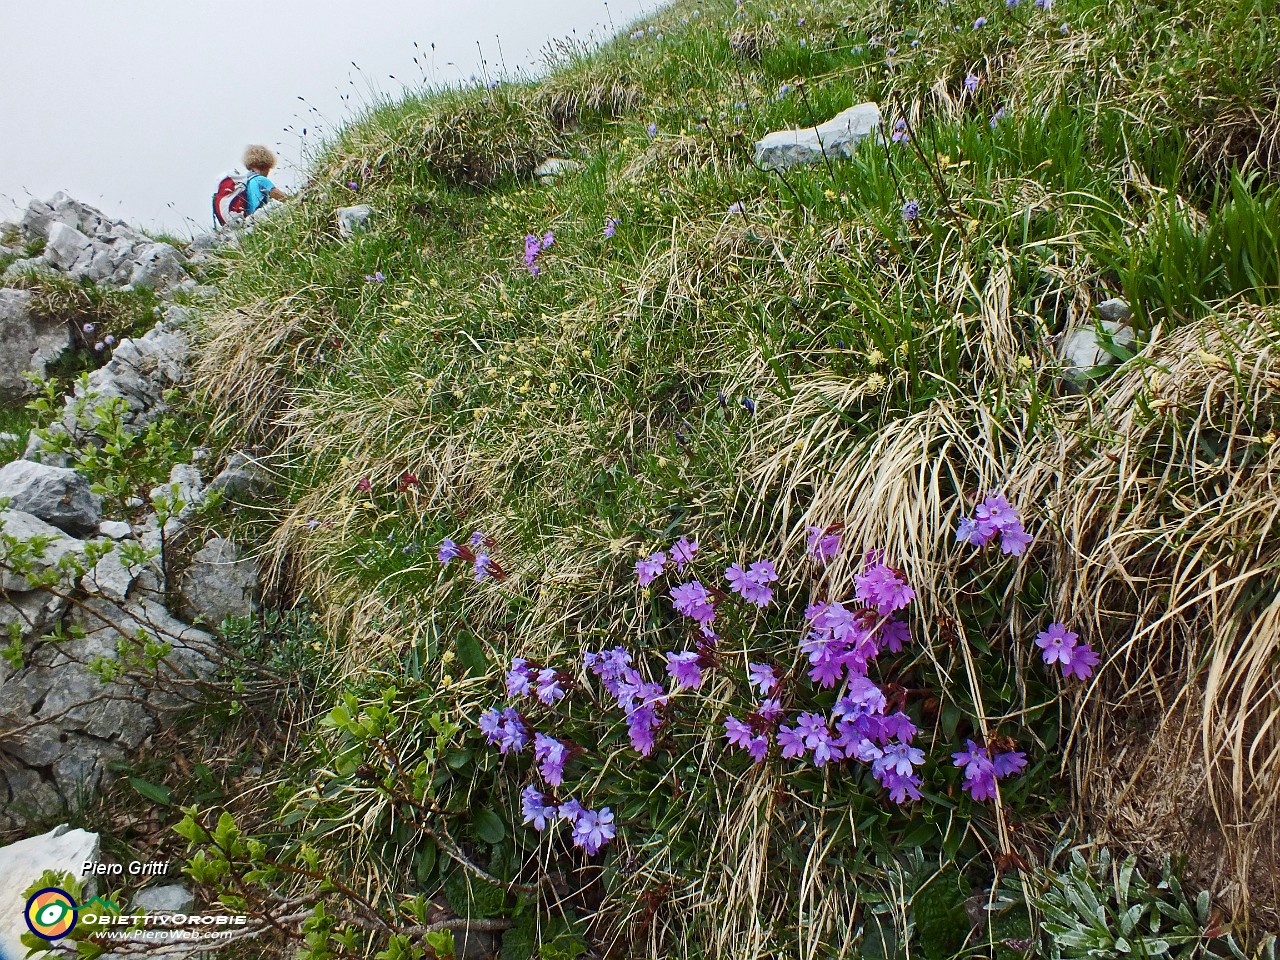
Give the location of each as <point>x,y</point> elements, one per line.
<point>588,415</point>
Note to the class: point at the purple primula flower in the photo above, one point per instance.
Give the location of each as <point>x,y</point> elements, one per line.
<point>549,688</point>
<point>448,551</point>
<point>551,756</point>
<point>762,677</point>
<point>822,545</point>
<point>899,758</point>
<point>693,600</point>
<point>900,134</point>
<point>375,277</point>
<point>89,327</point>
<point>758,747</point>
<point>884,588</point>
<point>641,724</point>
<point>1064,29</point>
<point>653,130</point>
<point>548,239</point>
<point>737,733</point>
<point>901,788</point>
<point>981,771</point>
<point>352,185</point>
<point>1014,542</point>
<point>997,117</point>
<point>791,741</point>
<point>682,552</point>
<point>898,726</point>
<point>490,724</point>
<point>684,669</point>
<point>979,23</point>
<point>967,532</point>
<point>611,225</point>
<point>610,666</point>
<point>505,728</point>
<point>1056,644</point>
<point>593,829</point>
<point>519,678</point>
<point>770,709</point>
<point>481,566</point>
<point>537,812</point>
<point>570,810</point>
<point>649,568</point>
<point>971,83</point>
<point>910,211</point>
<point>1008,763</point>
<point>893,635</point>
<point>862,692</point>
<point>1044,4</point>
<point>477,538</point>
<point>752,584</point>
<point>736,207</point>
<point>1080,662</point>
<point>749,405</point>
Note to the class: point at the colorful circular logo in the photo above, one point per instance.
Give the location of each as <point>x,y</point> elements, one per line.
<point>51,913</point>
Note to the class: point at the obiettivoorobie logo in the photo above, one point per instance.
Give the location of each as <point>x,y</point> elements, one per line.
<point>52,912</point>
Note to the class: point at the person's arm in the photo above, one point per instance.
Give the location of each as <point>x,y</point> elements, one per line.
<point>278,194</point>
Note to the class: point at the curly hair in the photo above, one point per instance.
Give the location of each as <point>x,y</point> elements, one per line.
<point>258,157</point>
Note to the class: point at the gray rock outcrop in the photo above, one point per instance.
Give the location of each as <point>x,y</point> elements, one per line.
<point>1086,348</point>
<point>171,898</point>
<point>835,138</point>
<point>85,244</point>
<point>56,495</point>
<point>221,582</point>
<point>28,343</point>
<point>353,219</point>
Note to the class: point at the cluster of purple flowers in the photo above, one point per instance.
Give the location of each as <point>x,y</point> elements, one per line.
<point>103,344</point>
<point>475,552</point>
<point>681,553</point>
<point>534,246</point>
<point>1059,645</point>
<point>591,829</point>
<point>824,543</point>
<point>376,277</point>
<point>506,728</point>
<point>995,515</point>
<point>527,679</point>
<point>982,769</point>
<point>752,584</point>
<point>911,210</point>
<point>900,134</point>
<point>641,702</point>
<point>611,225</point>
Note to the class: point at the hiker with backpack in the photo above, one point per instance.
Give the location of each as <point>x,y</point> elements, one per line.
<point>244,196</point>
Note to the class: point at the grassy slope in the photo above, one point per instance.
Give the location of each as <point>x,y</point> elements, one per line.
<point>894,367</point>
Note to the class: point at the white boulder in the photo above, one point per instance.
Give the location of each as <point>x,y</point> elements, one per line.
<point>835,138</point>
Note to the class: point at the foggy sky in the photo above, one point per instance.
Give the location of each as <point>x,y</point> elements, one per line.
<point>139,106</point>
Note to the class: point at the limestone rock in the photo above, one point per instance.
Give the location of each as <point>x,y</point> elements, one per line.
<point>62,850</point>
<point>57,495</point>
<point>554,167</point>
<point>1084,348</point>
<point>57,550</point>
<point>835,138</point>
<point>353,219</point>
<point>242,478</point>
<point>115,529</point>
<point>27,343</point>
<point>31,614</point>
<point>171,898</point>
<point>221,582</point>
<point>111,577</point>
<point>1115,310</point>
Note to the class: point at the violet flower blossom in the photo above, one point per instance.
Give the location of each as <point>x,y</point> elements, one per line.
<point>685,669</point>
<point>682,552</point>
<point>551,755</point>
<point>761,677</point>
<point>537,812</point>
<point>822,545</point>
<point>648,568</point>
<point>549,688</point>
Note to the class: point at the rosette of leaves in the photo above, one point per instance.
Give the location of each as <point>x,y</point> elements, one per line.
<point>1099,908</point>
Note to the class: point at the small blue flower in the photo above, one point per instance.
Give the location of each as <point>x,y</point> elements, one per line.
<point>910,210</point>
<point>971,83</point>
<point>979,23</point>
<point>749,404</point>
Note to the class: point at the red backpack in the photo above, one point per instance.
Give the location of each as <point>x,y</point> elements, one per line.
<point>230,198</point>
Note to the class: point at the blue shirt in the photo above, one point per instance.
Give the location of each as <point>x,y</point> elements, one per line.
<point>255,192</point>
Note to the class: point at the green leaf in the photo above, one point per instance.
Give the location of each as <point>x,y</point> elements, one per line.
<point>471,655</point>
<point>489,826</point>
<point>152,791</point>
